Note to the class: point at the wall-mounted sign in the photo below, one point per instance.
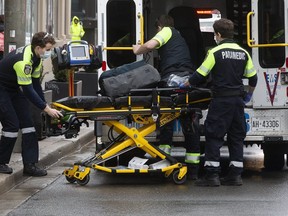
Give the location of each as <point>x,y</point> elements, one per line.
<point>11,47</point>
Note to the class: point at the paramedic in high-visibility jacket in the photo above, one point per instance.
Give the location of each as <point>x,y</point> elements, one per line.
<point>76,29</point>
<point>227,63</point>
<point>175,59</point>
<point>20,71</point>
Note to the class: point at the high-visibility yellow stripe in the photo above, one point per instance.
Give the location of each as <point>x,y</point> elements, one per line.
<point>24,68</point>
<point>192,158</point>
<point>166,148</point>
<point>163,36</point>
<point>37,72</point>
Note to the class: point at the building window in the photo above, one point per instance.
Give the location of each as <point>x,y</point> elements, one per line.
<point>77,9</point>
<point>31,20</point>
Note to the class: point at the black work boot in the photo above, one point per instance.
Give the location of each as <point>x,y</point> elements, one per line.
<point>233,177</point>
<point>210,179</point>
<point>230,180</point>
<point>32,170</point>
<point>5,169</point>
<point>192,171</point>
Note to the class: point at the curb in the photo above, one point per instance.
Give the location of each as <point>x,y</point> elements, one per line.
<point>51,150</point>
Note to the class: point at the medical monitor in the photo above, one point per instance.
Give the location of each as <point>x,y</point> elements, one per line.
<point>79,54</point>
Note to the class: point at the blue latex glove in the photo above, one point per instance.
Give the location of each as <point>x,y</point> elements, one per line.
<point>182,86</point>
<point>247,97</point>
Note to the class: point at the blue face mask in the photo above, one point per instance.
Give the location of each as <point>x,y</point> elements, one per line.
<point>46,55</point>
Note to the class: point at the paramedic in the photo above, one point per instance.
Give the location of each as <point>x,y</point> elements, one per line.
<point>175,59</point>
<point>76,29</point>
<point>19,81</point>
<point>228,63</point>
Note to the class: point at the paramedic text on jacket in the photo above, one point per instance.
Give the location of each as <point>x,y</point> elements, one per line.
<point>227,63</point>
<point>19,81</point>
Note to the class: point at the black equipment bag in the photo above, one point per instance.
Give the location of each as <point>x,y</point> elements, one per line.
<point>61,58</point>
<point>119,81</point>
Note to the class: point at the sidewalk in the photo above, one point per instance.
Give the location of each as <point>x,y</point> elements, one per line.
<point>51,150</point>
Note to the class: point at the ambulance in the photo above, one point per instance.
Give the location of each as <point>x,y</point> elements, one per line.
<point>259,28</point>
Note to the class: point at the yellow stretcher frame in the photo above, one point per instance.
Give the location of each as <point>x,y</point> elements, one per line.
<point>134,138</point>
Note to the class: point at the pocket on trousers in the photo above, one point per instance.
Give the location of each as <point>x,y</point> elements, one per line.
<point>215,128</point>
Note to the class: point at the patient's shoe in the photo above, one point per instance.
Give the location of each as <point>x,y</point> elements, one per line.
<point>5,169</point>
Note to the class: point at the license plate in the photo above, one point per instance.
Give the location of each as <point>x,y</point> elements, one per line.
<point>265,124</point>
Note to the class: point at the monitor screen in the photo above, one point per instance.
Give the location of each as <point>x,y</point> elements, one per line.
<point>79,54</point>
<point>78,51</point>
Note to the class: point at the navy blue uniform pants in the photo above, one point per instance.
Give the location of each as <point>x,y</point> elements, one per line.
<point>225,117</point>
<point>14,115</point>
<point>189,129</point>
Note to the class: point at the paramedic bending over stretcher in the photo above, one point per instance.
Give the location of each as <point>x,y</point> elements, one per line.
<point>19,81</point>
<point>174,59</point>
<point>228,63</point>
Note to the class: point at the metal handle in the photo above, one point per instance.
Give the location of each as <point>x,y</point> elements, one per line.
<point>251,42</point>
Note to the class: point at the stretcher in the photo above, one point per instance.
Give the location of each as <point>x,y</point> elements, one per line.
<point>150,108</point>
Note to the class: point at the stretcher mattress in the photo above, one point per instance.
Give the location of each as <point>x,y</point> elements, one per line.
<point>196,98</point>
<point>86,102</point>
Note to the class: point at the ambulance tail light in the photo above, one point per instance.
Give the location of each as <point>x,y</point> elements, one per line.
<point>206,12</point>
<point>104,66</point>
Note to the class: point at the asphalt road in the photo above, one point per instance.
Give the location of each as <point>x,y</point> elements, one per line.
<point>263,193</point>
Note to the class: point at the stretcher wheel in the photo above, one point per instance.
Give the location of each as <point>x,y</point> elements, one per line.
<point>84,181</point>
<point>70,179</point>
<point>176,179</point>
